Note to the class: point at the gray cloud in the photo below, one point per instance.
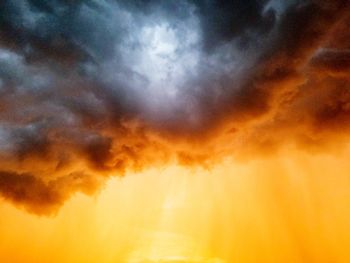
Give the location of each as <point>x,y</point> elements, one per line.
<point>97,88</point>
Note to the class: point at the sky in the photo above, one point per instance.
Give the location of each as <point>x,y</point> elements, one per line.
<point>174,131</point>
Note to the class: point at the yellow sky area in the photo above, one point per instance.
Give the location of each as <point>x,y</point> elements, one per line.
<point>294,208</point>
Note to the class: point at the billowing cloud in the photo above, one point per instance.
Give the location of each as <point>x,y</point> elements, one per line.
<point>91,89</point>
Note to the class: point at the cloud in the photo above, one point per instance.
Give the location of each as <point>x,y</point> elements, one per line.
<point>91,89</point>
<point>334,63</point>
<point>42,197</point>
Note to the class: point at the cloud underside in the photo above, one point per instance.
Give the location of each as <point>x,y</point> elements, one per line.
<point>91,89</point>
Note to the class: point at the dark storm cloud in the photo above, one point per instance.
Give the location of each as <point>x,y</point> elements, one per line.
<point>90,89</point>
<point>43,197</point>
<point>223,21</point>
<point>335,63</point>
<point>77,30</point>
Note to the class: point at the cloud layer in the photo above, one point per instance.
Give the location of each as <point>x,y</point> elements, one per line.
<point>90,89</point>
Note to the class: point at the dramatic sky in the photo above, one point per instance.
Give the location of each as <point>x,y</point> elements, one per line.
<point>92,90</point>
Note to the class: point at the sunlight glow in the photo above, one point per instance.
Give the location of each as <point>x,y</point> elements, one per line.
<point>291,209</point>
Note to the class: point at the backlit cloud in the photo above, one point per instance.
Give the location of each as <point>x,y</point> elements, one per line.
<point>90,89</point>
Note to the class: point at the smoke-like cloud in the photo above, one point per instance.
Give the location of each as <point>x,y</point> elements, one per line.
<point>90,89</point>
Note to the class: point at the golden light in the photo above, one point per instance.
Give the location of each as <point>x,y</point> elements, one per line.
<point>291,209</point>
